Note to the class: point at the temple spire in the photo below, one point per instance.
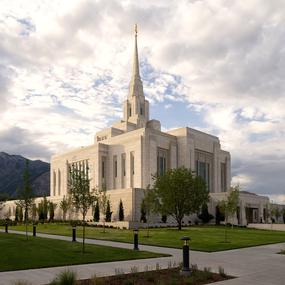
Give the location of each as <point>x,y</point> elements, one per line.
<point>136,71</point>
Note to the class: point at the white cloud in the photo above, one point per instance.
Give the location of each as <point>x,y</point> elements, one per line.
<point>65,67</point>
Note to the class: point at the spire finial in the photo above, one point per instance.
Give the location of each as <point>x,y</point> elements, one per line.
<point>136,29</point>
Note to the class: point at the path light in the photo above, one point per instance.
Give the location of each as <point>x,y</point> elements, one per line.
<point>73,233</point>
<point>185,267</point>
<point>34,230</point>
<point>136,239</point>
<point>6,226</point>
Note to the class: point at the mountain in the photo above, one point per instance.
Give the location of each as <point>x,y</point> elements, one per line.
<point>11,175</point>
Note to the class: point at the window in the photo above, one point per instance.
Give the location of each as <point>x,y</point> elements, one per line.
<point>115,166</point>
<point>123,159</point>
<point>141,109</point>
<point>130,112</point>
<point>203,170</point>
<point>132,163</point>
<point>223,177</point>
<point>103,167</point>
<point>162,161</point>
<point>59,181</point>
<point>54,183</point>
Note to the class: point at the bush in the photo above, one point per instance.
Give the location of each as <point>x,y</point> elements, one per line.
<point>96,213</point>
<point>205,216</point>
<point>121,211</point>
<point>65,278</point>
<point>108,212</point>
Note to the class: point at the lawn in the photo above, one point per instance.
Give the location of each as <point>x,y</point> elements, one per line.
<point>203,238</point>
<point>18,253</point>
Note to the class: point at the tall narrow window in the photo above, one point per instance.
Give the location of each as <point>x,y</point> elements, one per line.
<point>223,177</point>
<point>115,166</point>
<point>123,160</point>
<point>130,112</point>
<point>59,181</point>
<point>141,109</point>
<point>132,163</point>
<point>123,169</point>
<point>103,168</point>
<point>54,183</point>
<point>162,161</point>
<point>203,170</point>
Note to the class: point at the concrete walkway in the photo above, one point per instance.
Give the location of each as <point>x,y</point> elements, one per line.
<point>253,266</point>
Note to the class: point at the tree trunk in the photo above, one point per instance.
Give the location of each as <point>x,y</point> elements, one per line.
<point>26,223</point>
<point>83,237</point>
<point>179,224</point>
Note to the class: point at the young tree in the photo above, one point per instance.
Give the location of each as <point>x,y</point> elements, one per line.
<point>121,211</point>
<point>51,206</point>
<point>229,206</point>
<point>143,212</point>
<point>17,214</point>
<point>21,216</point>
<point>82,197</point>
<point>178,193</point>
<point>96,212</point>
<point>275,212</point>
<point>64,206</point>
<point>26,196</point>
<point>149,205</point>
<point>103,199</point>
<point>108,212</point>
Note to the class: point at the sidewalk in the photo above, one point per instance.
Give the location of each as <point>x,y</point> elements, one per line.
<point>254,266</point>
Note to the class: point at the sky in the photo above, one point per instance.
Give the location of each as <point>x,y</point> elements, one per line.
<point>214,65</point>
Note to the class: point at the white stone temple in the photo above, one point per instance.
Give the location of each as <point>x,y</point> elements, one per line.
<point>124,157</point>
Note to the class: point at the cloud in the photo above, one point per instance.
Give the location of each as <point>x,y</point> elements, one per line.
<point>65,68</point>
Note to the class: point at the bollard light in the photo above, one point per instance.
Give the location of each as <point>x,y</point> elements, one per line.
<point>136,239</point>
<point>73,233</point>
<point>6,227</point>
<point>34,230</point>
<point>185,267</point>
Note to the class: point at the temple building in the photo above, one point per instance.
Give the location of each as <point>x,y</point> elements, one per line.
<point>126,155</point>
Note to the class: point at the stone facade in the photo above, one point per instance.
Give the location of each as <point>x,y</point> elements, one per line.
<point>124,156</point>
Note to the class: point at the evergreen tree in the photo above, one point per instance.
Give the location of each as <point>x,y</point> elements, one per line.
<point>205,216</point>
<point>20,214</point>
<point>45,208</point>
<point>41,212</point>
<point>108,212</point>
<point>52,206</point>
<point>17,214</point>
<point>143,212</point>
<point>121,211</point>
<point>96,212</point>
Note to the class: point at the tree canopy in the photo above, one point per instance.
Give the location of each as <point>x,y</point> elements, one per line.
<point>178,193</point>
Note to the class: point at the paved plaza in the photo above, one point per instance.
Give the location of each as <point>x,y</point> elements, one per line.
<point>259,265</point>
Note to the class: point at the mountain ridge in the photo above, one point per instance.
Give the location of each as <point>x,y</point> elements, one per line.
<point>11,175</point>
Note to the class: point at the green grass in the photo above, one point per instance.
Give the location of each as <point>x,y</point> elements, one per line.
<point>18,253</point>
<point>203,238</point>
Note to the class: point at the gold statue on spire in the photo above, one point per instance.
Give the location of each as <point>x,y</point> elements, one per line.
<point>136,29</point>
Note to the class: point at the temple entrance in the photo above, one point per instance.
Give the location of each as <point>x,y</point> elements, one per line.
<point>251,215</point>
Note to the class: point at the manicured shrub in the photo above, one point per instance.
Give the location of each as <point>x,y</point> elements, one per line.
<point>205,216</point>
<point>108,212</point>
<point>121,211</point>
<point>96,213</point>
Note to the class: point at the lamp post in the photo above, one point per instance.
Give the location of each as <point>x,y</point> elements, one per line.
<point>73,233</point>
<point>136,239</point>
<point>185,268</point>
<point>6,226</point>
<point>34,230</point>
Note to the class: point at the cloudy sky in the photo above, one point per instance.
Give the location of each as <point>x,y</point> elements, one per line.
<point>214,65</point>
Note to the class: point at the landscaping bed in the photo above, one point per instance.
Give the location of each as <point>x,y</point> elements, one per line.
<point>166,277</point>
